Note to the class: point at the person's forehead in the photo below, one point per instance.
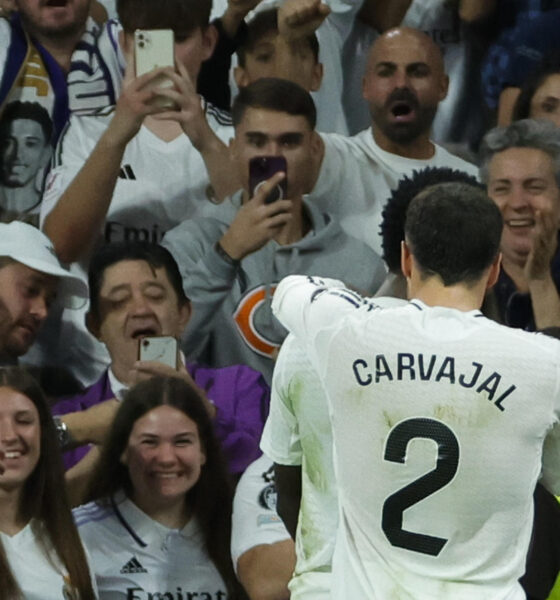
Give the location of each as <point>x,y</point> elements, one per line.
<point>132,272</point>
<point>25,128</point>
<point>22,271</point>
<point>404,47</point>
<point>271,122</point>
<point>521,163</point>
<point>164,419</point>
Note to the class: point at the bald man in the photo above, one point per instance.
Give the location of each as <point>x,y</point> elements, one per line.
<point>403,85</point>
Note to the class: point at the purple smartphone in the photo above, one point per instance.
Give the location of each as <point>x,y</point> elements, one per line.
<point>262,168</point>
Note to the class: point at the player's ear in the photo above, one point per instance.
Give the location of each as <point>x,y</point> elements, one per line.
<point>209,40</point>
<point>494,271</point>
<point>241,77</point>
<point>92,324</point>
<point>406,260</point>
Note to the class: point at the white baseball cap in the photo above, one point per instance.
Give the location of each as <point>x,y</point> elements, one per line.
<point>31,247</point>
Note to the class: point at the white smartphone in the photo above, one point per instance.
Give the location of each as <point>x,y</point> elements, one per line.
<point>154,48</point>
<point>159,348</point>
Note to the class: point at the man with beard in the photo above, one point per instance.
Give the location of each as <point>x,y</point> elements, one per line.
<point>30,277</point>
<point>403,85</point>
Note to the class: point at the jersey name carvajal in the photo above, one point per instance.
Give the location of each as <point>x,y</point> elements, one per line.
<point>438,419</point>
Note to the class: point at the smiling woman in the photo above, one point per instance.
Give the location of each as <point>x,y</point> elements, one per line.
<point>41,556</point>
<point>159,521</point>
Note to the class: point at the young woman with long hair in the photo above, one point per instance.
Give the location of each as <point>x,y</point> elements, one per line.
<point>41,556</point>
<point>159,520</point>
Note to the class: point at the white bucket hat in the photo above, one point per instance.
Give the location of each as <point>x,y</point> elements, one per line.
<point>31,247</point>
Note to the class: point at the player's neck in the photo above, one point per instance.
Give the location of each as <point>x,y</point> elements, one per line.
<point>432,292</point>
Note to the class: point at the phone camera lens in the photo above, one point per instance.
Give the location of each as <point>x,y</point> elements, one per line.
<point>141,43</point>
<point>145,343</point>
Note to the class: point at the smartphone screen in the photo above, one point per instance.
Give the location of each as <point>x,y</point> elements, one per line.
<point>159,348</point>
<point>261,169</point>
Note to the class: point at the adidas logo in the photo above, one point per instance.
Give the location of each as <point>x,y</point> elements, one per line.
<point>133,566</point>
<point>126,172</point>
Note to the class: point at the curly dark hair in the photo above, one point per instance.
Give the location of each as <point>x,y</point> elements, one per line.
<point>394,212</point>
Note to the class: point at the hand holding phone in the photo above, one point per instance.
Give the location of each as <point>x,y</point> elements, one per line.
<point>261,169</point>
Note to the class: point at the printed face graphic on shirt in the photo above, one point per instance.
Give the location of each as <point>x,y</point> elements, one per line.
<point>24,151</point>
<point>20,438</point>
<point>164,459</point>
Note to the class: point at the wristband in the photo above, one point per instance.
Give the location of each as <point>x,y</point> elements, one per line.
<point>225,256</point>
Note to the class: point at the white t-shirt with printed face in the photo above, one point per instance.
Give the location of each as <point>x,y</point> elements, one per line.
<point>136,558</point>
<point>357,176</point>
<point>36,566</point>
<point>255,520</point>
<point>439,418</point>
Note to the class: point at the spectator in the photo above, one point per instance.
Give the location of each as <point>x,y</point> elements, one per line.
<point>42,556</point>
<point>230,267</point>
<point>539,96</point>
<point>520,168</point>
<point>135,291</point>
<point>160,516</point>
<point>30,276</point>
<point>300,40</point>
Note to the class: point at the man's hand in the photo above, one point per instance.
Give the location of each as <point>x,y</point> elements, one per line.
<point>135,103</point>
<point>90,426</point>
<point>145,369</point>
<point>299,18</point>
<point>188,112</point>
<point>545,236</point>
<point>236,11</point>
<point>256,222</point>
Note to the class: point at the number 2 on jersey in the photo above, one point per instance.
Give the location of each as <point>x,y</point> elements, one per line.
<point>446,467</point>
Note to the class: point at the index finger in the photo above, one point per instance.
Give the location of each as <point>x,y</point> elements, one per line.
<point>264,188</point>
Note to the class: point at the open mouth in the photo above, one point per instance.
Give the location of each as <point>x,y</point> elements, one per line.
<point>142,332</point>
<point>56,3</point>
<point>401,109</point>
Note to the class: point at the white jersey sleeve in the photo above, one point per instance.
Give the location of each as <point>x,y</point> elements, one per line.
<point>255,520</point>
<point>281,436</point>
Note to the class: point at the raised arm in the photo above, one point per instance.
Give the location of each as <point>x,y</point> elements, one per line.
<point>296,20</point>
<point>78,215</point>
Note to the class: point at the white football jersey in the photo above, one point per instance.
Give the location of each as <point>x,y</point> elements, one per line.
<point>443,421</point>
<point>133,556</point>
<point>298,433</point>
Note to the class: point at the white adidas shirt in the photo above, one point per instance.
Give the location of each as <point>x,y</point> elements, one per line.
<point>443,421</point>
<point>136,558</point>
